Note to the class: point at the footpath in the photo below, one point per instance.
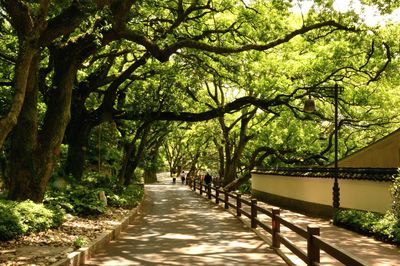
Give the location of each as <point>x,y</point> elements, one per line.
<point>178,227</point>
<point>369,250</point>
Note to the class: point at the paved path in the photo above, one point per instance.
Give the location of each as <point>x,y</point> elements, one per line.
<point>369,250</point>
<point>178,227</point>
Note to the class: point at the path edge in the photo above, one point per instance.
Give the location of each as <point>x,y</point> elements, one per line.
<point>82,255</point>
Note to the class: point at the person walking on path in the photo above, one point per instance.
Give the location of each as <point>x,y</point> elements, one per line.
<point>178,227</point>
<point>207,179</point>
<point>183,177</point>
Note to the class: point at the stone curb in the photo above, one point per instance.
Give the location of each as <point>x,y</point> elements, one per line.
<point>82,255</point>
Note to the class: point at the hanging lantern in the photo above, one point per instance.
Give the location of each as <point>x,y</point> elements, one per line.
<point>309,105</point>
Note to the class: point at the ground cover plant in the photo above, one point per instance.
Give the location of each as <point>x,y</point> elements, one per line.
<point>20,218</point>
<point>385,227</point>
<point>82,200</point>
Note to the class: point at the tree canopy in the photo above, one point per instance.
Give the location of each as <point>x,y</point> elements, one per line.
<point>149,69</point>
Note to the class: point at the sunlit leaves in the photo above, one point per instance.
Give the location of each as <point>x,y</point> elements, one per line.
<point>385,6</point>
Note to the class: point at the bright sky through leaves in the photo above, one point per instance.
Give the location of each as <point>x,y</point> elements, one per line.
<point>370,14</point>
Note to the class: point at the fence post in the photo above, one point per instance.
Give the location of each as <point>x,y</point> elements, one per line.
<point>209,191</point>
<point>238,204</point>
<point>217,194</point>
<point>226,199</point>
<point>201,188</point>
<point>313,251</point>
<point>276,228</point>
<point>253,213</point>
<point>194,184</point>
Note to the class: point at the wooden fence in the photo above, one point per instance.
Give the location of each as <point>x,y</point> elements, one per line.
<point>314,242</point>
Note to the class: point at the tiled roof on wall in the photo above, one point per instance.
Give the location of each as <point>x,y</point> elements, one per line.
<point>375,174</point>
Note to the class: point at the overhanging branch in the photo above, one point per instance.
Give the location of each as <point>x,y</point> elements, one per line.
<point>202,116</point>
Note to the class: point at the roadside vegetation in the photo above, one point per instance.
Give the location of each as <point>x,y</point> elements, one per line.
<point>384,227</point>
<point>18,218</point>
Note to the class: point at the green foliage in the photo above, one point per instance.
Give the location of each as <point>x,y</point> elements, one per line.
<point>384,227</point>
<point>117,195</point>
<point>79,200</point>
<point>126,197</point>
<point>95,179</point>
<point>83,199</point>
<point>356,220</point>
<point>80,242</point>
<point>388,228</point>
<point>184,83</point>
<point>245,188</point>
<point>10,224</point>
<point>19,218</point>
<point>395,191</point>
<point>104,151</point>
<point>86,201</point>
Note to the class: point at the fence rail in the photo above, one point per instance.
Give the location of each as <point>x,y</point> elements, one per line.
<point>314,242</point>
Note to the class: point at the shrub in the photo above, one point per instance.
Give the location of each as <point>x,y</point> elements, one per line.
<point>395,191</point>
<point>10,224</point>
<point>19,218</point>
<point>80,241</point>
<point>383,227</point>
<point>34,217</point>
<point>93,179</point>
<point>245,188</point>
<point>388,228</point>
<point>356,220</point>
<point>78,200</point>
<point>128,197</point>
<point>84,201</point>
<point>58,200</point>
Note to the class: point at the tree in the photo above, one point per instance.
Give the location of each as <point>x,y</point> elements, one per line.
<point>142,150</point>
<point>162,32</point>
<point>33,148</point>
<point>34,28</point>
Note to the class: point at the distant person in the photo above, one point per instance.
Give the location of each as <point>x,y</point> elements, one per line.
<point>173,178</point>
<point>207,179</point>
<point>183,177</point>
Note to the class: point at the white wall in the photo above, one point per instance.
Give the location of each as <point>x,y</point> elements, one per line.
<point>355,194</point>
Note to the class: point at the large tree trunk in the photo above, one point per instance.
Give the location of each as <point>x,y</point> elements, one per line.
<point>33,154</point>
<point>234,151</point>
<point>150,171</point>
<point>24,61</point>
<point>230,166</point>
<point>192,168</point>
<point>133,152</point>
<point>129,150</point>
<point>230,172</point>
<point>77,137</point>
<point>24,183</point>
<point>130,171</point>
<point>77,140</point>
<point>221,160</point>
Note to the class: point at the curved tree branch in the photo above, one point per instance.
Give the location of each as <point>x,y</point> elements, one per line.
<point>163,54</point>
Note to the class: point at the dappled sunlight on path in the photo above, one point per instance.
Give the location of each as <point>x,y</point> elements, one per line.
<point>178,227</point>
<point>368,249</point>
